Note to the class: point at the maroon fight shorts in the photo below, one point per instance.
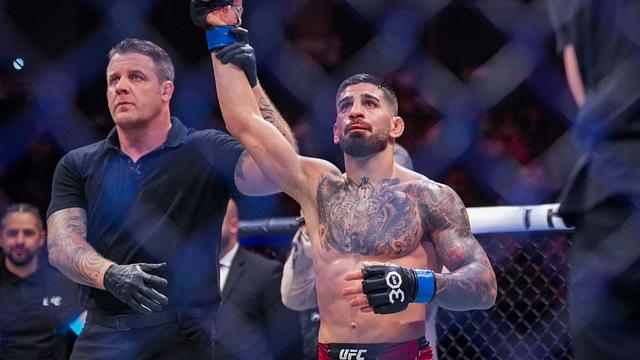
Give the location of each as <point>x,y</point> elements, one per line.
<point>418,349</point>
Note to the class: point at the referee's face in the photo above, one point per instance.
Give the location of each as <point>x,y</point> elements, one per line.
<point>135,94</point>
<point>21,237</point>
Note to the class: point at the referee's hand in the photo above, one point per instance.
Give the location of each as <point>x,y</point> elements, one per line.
<point>135,285</point>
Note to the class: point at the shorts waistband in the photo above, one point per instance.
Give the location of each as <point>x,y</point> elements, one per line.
<point>402,350</point>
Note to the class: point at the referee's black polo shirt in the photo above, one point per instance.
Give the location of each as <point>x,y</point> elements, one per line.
<point>166,207</point>
<point>35,313</point>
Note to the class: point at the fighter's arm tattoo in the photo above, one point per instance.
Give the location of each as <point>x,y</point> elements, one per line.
<point>273,116</point>
<point>472,282</point>
<point>239,172</point>
<point>69,250</point>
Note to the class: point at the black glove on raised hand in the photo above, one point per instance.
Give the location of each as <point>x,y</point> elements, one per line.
<point>240,54</point>
<point>135,285</point>
<point>390,288</point>
<point>199,10</point>
<point>217,35</point>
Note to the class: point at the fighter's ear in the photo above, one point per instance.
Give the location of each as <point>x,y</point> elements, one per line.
<point>397,127</point>
<point>336,137</point>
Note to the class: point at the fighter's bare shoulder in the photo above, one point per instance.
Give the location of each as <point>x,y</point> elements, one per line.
<point>315,169</point>
<point>422,184</point>
<point>438,202</point>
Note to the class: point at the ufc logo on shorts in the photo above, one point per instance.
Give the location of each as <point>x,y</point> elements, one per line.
<point>394,280</point>
<point>348,354</point>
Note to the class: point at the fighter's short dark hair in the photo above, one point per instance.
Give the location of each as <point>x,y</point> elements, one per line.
<point>388,92</point>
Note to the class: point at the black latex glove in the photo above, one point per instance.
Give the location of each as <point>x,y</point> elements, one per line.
<point>389,288</point>
<point>199,10</point>
<point>135,286</point>
<point>240,54</point>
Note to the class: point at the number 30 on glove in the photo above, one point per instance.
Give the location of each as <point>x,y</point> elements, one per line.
<point>390,288</point>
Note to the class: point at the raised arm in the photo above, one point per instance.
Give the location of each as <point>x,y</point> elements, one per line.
<point>271,114</point>
<point>249,179</point>
<point>69,250</point>
<point>243,56</point>
<point>276,158</point>
<point>471,284</point>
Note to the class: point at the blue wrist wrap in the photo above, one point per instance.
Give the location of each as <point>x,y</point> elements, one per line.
<point>426,286</point>
<point>219,36</point>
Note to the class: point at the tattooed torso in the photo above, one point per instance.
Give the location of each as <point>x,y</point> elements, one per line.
<point>382,219</point>
<point>408,220</point>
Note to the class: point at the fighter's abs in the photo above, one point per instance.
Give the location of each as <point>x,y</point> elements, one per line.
<point>369,219</point>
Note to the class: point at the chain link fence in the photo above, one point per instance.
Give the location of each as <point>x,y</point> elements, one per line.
<point>530,318</point>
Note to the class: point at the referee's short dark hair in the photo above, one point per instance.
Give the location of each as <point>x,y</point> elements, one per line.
<point>160,58</point>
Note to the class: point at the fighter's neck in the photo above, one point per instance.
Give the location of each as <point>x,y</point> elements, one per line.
<point>137,142</point>
<point>22,271</point>
<point>375,168</point>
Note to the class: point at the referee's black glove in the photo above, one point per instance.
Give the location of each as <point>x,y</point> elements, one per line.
<point>240,54</point>
<point>135,286</point>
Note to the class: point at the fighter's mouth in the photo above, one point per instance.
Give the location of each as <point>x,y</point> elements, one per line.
<point>357,127</point>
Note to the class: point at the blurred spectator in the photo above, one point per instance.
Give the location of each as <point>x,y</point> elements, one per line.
<point>253,323</point>
<point>313,32</point>
<point>37,303</point>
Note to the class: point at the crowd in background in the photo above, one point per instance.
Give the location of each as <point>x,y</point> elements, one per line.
<point>516,131</point>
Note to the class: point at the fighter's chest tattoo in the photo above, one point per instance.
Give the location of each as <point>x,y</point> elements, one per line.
<point>369,219</point>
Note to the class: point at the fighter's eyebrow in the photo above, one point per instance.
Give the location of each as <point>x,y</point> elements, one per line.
<point>345,99</point>
<point>370,97</point>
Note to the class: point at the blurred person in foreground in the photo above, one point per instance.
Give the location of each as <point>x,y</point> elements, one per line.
<point>253,322</point>
<point>37,303</point>
<point>136,218</point>
<point>375,211</point>
<point>600,47</point>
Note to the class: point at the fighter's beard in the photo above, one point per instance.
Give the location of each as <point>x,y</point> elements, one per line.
<point>361,146</point>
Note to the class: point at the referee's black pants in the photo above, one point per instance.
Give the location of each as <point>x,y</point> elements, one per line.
<point>185,337</point>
